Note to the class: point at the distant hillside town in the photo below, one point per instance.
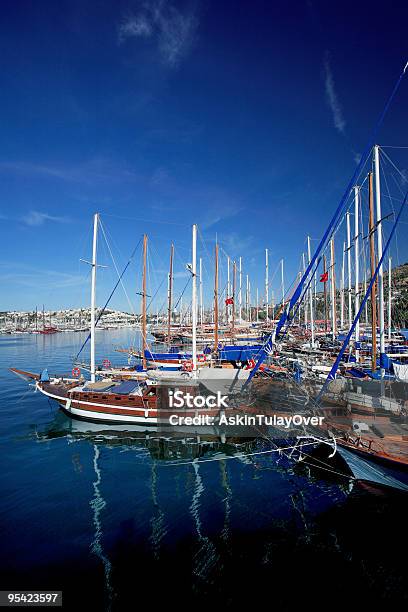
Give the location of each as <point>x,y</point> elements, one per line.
<point>77,319</point>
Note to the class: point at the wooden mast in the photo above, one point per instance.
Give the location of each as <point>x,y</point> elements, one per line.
<point>234,286</point>
<point>144,343</point>
<point>333,288</point>
<point>216,299</point>
<point>372,266</point>
<point>170,295</point>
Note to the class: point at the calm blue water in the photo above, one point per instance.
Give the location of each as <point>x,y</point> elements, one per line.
<point>106,517</point>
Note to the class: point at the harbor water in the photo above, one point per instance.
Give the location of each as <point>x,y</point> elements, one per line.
<point>118,518</point>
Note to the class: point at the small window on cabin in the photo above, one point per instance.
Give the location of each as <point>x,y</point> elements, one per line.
<point>104,397</point>
<point>118,397</point>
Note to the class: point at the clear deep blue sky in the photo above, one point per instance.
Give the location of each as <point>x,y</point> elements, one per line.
<point>244,117</point>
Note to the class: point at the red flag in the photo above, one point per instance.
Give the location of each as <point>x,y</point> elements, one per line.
<point>324,277</point>
<point>229,301</point>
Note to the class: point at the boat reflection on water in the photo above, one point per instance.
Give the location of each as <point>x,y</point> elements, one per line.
<point>203,494</point>
<point>210,516</point>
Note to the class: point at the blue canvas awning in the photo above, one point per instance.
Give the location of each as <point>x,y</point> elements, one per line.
<point>404,332</point>
<point>125,387</point>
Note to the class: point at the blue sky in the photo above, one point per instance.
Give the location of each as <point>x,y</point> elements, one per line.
<point>244,117</point>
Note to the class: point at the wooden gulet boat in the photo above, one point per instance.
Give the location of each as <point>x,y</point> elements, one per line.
<point>116,398</point>
<point>106,400</point>
<point>109,399</point>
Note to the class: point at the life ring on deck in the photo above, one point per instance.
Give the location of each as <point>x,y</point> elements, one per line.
<point>188,366</point>
<point>201,358</point>
<point>250,365</point>
<point>76,372</point>
<point>106,363</point>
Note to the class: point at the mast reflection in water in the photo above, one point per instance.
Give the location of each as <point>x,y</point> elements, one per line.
<point>115,517</point>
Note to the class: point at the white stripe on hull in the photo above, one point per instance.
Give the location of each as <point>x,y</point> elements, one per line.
<point>104,416</point>
<point>66,404</point>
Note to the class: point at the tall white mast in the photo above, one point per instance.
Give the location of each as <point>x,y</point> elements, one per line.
<point>93,294</point>
<point>365,291</point>
<point>304,305</point>
<point>201,294</point>
<point>310,297</point>
<point>380,277</point>
<point>247,297</point>
<point>342,289</point>
<point>240,290</point>
<point>227,308</point>
<point>283,284</point>
<point>315,288</point>
<point>356,266</point>
<point>267,284</point>
<point>257,304</point>
<point>389,299</point>
<point>249,300</point>
<point>194,297</point>
<point>350,314</point>
<point>228,277</point>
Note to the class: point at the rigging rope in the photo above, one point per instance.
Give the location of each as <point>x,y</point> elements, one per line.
<point>329,231</point>
<point>335,366</point>
<point>109,299</point>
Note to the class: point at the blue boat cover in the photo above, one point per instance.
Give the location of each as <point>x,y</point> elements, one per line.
<point>125,387</point>
<point>229,352</point>
<point>404,332</point>
<point>158,356</point>
<point>238,353</point>
<point>99,389</point>
<point>240,347</point>
<point>356,373</point>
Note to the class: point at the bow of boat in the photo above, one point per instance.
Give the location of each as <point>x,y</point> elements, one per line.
<point>24,374</point>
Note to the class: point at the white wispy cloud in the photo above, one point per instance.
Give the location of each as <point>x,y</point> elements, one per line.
<point>173,29</point>
<point>356,157</point>
<point>232,243</point>
<point>135,26</point>
<point>236,244</point>
<point>39,278</point>
<point>182,274</point>
<point>90,171</point>
<point>331,95</point>
<point>35,218</point>
<point>223,206</point>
